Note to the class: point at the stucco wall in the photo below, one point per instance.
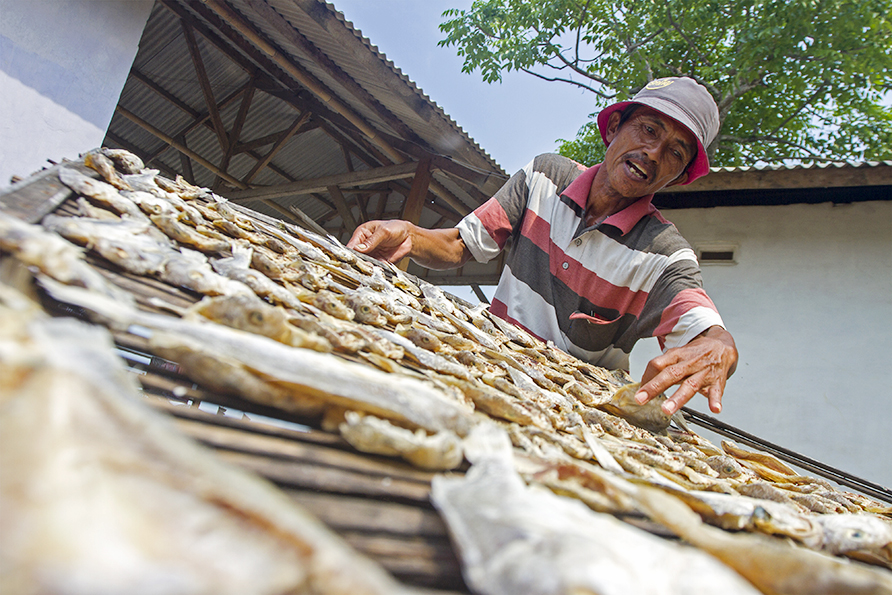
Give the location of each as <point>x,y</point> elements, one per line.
<point>809,303</point>
<point>63,64</point>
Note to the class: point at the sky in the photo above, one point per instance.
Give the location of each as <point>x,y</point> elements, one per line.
<point>513,121</point>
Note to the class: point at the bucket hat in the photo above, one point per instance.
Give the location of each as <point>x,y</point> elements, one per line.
<point>685,101</point>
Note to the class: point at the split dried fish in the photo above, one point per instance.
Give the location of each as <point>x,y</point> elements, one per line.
<point>191,270</point>
<point>103,193</point>
<point>54,256</point>
<point>649,416</point>
<point>104,166</point>
<point>319,375</point>
<point>188,236</point>
<point>249,313</point>
<point>774,566</point>
<point>441,451</point>
<point>126,161</point>
<point>237,267</point>
<point>130,244</point>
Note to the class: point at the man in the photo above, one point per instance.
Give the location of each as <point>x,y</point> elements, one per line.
<point>593,266</point>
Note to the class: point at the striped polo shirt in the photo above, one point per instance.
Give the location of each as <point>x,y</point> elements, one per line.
<point>592,291</point>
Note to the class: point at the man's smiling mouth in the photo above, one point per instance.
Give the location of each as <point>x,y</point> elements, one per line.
<point>637,170</point>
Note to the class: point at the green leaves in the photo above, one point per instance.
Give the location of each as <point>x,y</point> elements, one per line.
<point>794,79</point>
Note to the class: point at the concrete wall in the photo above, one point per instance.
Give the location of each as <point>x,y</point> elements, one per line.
<point>63,64</point>
<point>809,302</point>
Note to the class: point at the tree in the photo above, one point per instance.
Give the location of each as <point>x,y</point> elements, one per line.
<point>793,79</point>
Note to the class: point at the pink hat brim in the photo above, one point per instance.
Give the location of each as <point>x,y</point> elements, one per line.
<point>697,169</point>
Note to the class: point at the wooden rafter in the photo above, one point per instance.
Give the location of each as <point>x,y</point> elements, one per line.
<point>357,178</point>
<point>165,94</point>
<point>178,146</point>
<point>199,119</point>
<point>284,138</point>
<point>268,139</point>
<point>239,122</point>
<point>315,86</point>
<point>382,202</point>
<point>284,28</point>
<point>355,135</point>
<point>343,210</point>
<point>205,84</point>
<point>277,82</point>
<point>186,163</point>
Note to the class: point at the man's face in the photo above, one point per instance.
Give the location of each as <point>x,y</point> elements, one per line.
<point>648,152</point>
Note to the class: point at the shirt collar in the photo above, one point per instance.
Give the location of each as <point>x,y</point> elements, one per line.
<point>624,220</point>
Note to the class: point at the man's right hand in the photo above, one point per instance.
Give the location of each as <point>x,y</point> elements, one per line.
<point>385,240</point>
<point>396,239</point>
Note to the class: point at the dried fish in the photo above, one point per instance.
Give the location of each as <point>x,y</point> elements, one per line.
<point>441,451</point>
<point>126,161</point>
<point>861,536</point>
<point>54,256</point>
<point>191,270</point>
<point>774,566</point>
<point>517,539</point>
<point>322,376</point>
<point>104,166</point>
<point>249,313</point>
<point>365,311</point>
<point>108,498</point>
<point>237,267</point>
<point>649,416</point>
<point>420,337</point>
<point>426,358</point>
<point>103,193</point>
<point>331,304</point>
<point>130,244</point>
<point>188,236</point>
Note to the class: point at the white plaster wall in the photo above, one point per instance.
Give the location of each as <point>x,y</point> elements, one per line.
<point>63,64</point>
<point>809,304</point>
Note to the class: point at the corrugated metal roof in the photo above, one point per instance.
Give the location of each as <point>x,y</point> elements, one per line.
<point>779,184</point>
<point>300,56</point>
<point>813,165</point>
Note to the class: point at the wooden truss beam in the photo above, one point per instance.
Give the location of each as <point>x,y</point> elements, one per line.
<point>284,138</point>
<point>304,78</point>
<point>205,84</point>
<point>356,178</point>
<point>280,24</point>
<point>179,146</point>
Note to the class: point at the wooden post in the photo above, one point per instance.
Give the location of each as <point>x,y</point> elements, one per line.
<point>415,201</point>
<point>343,210</point>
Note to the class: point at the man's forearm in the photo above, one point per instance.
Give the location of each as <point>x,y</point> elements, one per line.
<point>438,248</point>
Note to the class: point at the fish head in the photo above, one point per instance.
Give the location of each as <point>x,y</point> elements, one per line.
<point>862,536</point>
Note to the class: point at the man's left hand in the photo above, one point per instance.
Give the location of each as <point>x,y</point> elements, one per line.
<point>701,366</point>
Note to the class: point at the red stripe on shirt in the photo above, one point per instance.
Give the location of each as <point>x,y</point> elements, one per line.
<point>588,284</point>
<point>581,280</point>
<point>683,302</point>
<point>537,230</point>
<point>495,221</point>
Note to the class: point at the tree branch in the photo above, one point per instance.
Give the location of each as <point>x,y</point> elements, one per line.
<point>581,72</point>
<point>569,81</point>
<point>776,140</point>
<point>805,104</point>
<point>684,36</point>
